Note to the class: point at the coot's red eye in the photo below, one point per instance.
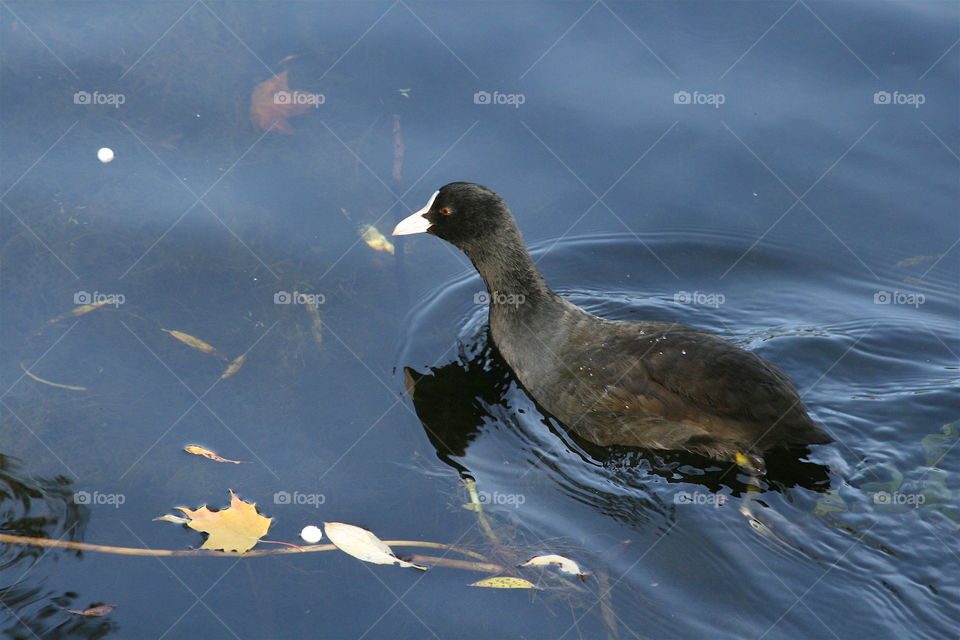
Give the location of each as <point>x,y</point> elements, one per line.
<point>445,211</point>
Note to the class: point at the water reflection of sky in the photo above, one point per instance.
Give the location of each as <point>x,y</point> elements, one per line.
<point>752,150</point>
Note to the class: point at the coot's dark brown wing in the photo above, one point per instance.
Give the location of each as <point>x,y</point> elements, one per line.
<point>685,385</point>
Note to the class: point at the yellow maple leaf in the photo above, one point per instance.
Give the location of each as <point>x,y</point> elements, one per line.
<point>236,528</point>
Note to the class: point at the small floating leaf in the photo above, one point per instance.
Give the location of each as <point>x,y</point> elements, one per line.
<point>915,260</point>
<point>206,453</point>
<point>172,518</point>
<point>363,544</point>
<point>234,366</point>
<point>99,610</point>
<point>374,239</point>
<point>195,343</point>
<point>79,311</point>
<point>52,384</point>
<point>566,565</point>
<point>505,582</point>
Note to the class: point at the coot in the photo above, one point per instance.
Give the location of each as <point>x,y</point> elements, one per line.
<point>654,385</point>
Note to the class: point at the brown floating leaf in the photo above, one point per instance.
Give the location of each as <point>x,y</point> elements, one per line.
<point>505,582</point>
<point>206,453</point>
<point>99,610</point>
<point>363,545</point>
<point>374,239</point>
<point>234,366</point>
<point>195,343</point>
<point>52,384</point>
<point>270,112</point>
<point>79,311</point>
<point>236,528</point>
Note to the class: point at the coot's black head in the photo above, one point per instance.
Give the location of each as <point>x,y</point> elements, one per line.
<point>462,213</point>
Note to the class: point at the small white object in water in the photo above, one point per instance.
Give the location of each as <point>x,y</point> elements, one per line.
<point>311,534</point>
<point>105,155</point>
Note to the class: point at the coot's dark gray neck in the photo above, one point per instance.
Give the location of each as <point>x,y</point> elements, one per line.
<point>508,271</point>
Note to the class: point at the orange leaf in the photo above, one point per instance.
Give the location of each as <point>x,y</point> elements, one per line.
<point>272,103</point>
<point>236,528</point>
<point>100,610</point>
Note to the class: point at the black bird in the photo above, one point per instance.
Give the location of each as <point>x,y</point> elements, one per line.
<point>654,385</point>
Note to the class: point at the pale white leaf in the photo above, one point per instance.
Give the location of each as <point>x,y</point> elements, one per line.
<point>362,544</point>
<point>172,518</point>
<point>566,565</point>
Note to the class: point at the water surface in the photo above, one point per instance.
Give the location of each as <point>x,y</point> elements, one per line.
<point>782,174</point>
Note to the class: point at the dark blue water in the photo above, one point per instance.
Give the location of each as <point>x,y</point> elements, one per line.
<point>782,174</point>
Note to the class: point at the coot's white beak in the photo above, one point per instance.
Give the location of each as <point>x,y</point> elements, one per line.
<point>415,222</point>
